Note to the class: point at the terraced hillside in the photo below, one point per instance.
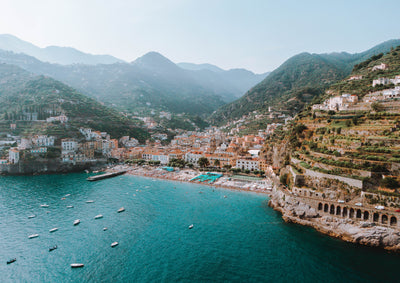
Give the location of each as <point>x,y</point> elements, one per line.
<point>348,147</point>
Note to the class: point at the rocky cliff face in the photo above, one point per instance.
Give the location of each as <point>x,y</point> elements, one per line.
<point>364,233</point>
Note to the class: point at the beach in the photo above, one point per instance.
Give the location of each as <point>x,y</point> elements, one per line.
<point>186,175</point>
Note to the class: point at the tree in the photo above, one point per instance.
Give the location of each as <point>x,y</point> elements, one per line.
<point>390,183</point>
<point>217,163</point>
<point>376,107</point>
<point>203,162</point>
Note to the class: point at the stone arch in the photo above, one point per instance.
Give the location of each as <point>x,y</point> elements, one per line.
<point>393,221</point>
<point>332,210</point>
<point>376,217</point>
<point>358,213</point>
<point>320,206</point>
<point>326,207</point>
<point>384,219</point>
<point>338,210</point>
<point>351,214</point>
<point>366,215</point>
<point>344,213</point>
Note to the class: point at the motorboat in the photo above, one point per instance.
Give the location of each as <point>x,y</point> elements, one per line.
<point>90,201</point>
<point>105,229</point>
<point>31,216</point>
<point>11,260</point>
<point>77,265</point>
<point>77,221</point>
<point>62,198</point>
<point>121,209</point>
<point>67,195</point>
<point>53,230</point>
<point>70,206</point>
<point>33,236</point>
<point>44,205</point>
<point>52,248</point>
<point>191,226</point>
<point>98,216</point>
<point>114,244</point>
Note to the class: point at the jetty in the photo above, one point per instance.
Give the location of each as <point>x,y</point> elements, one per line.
<point>105,176</point>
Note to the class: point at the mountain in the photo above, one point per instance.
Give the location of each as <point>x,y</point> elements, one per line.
<point>22,93</point>
<point>54,54</point>
<point>151,82</point>
<point>198,67</point>
<point>297,82</point>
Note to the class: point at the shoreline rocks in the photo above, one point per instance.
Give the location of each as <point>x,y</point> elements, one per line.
<point>358,232</point>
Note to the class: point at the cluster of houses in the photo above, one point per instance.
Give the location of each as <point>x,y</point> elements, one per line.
<point>337,103</point>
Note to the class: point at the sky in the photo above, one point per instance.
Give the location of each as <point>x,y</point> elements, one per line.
<point>258,35</point>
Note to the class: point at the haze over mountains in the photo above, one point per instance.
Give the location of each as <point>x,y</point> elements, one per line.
<point>150,82</point>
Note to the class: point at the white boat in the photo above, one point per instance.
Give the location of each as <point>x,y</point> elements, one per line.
<point>121,209</point>
<point>77,265</point>
<point>89,201</point>
<point>33,236</point>
<point>70,206</point>
<point>77,221</point>
<point>44,205</point>
<point>105,229</point>
<point>114,244</point>
<point>53,230</point>
<point>98,216</point>
<point>67,195</point>
<point>191,226</point>
<point>32,216</point>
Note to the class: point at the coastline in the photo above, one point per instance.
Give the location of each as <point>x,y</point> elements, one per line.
<point>363,233</point>
<point>185,175</point>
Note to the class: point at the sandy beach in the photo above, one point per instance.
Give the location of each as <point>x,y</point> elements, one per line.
<point>185,175</point>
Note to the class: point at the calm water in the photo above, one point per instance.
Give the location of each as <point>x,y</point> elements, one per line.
<point>237,238</point>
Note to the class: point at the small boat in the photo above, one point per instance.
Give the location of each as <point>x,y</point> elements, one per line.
<point>191,226</point>
<point>121,209</point>
<point>11,260</point>
<point>105,229</point>
<point>89,201</point>
<point>44,205</point>
<point>77,221</point>
<point>77,265</point>
<point>52,248</point>
<point>53,230</point>
<point>70,206</point>
<point>98,216</point>
<point>31,216</point>
<point>114,244</point>
<point>67,195</point>
<point>62,198</point>
<point>33,236</point>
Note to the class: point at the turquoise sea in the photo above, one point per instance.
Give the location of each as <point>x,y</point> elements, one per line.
<point>236,236</point>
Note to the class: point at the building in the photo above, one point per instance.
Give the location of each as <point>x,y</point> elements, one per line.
<point>69,145</point>
<point>248,164</point>
<point>382,66</point>
<point>43,140</point>
<point>39,150</point>
<point>13,155</point>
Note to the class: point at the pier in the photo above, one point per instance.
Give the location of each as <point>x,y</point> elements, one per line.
<point>105,176</point>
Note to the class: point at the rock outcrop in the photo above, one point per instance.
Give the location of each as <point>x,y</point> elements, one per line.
<point>364,233</point>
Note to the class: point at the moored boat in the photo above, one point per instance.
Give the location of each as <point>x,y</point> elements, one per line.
<point>191,226</point>
<point>121,209</point>
<point>52,248</point>
<point>98,216</point>
<point>11,260</point>
<point>53,230</point>
<point>44,205</point>
<point>33,236</point>
<point>70,206</point>
<point>114,244</point>
<point>77,221</point>
<point>31,216</point>
<point>105,229</point>
<point>77,265</point>
<point>90,201</point>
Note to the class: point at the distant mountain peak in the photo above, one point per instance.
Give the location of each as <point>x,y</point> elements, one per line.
<point>53,54</point>
<point>154,59</point>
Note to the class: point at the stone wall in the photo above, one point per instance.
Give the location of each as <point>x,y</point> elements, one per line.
<point>351,182</point>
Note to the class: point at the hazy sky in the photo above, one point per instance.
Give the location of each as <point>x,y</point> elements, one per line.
<point>255,34</point>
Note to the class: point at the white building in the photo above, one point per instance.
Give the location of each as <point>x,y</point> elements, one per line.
<point>13,155</point>
<point>39,150</point>
<point>43,140</point>
<point>89,134</point>
<point>69,145</point>
<point>382,66</point>
<point>193,156</point>
<point>248,164</point>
